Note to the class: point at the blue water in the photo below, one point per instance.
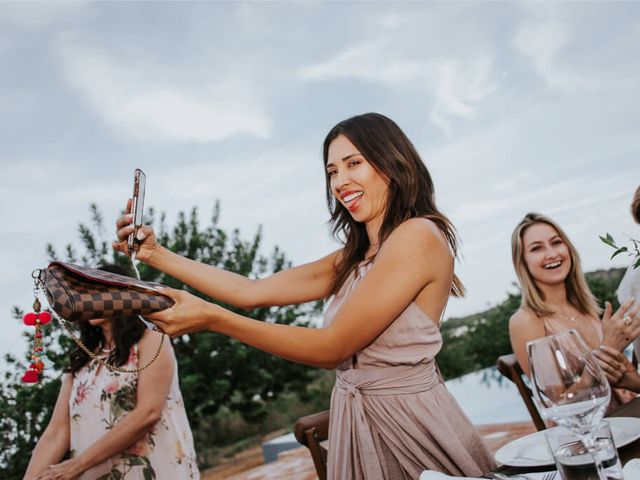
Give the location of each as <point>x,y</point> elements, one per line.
<point>487,397</point>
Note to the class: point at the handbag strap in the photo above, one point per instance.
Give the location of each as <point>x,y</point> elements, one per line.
<point>108,366</point>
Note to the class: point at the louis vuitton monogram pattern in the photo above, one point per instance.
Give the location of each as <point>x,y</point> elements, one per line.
<point>78,293</point>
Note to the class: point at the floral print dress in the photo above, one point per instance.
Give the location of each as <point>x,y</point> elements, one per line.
<point>101,398</point>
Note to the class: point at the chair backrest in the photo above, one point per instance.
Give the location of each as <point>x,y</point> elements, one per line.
<point>510,368</point>
<point>310,431</point>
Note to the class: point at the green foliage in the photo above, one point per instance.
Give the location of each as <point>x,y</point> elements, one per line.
<point>24,412</point>
<point>476,341</point>
<point>230,433</point>
<point>603,284</point>
<point>607,239</point>
<point>214,370</point>
<point>25,409</point>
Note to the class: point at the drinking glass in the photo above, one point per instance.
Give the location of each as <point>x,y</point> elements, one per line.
<point>575,462</point>
<point>569,386</point>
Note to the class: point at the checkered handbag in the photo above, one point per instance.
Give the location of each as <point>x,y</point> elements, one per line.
<point>79,293</point>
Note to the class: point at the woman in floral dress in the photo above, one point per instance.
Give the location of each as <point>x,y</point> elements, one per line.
<point>118,426</point>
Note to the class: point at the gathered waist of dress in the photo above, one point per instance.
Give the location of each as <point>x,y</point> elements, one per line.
<point>396,380</point>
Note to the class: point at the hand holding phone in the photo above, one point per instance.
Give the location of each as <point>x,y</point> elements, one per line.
<point>137,205</point>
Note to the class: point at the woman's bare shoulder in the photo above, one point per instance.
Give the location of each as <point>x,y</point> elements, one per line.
<point>416,248</point>
<point>423,231</point>
<point>522,315</point>
<point>524,318</point>
<point>151,340</point>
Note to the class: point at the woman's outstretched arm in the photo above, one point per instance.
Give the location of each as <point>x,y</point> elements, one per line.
<point>414,259</point>
<point>304,283</point>
<point>54,442</point>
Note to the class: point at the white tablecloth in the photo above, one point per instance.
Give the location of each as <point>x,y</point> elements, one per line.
<point>431,475</point>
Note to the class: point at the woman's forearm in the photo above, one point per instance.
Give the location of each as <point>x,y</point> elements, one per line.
<point>127,432</point>
<point>51,448</point>
<point>228,287</point>
<point>311,346</point>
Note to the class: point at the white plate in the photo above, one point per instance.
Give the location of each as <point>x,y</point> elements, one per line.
<point>531,450</point>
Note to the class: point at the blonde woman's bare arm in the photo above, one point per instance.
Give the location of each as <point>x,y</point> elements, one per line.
<point>524,327</point>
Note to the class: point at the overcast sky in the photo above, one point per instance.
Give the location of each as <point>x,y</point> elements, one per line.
<point>513,106</point>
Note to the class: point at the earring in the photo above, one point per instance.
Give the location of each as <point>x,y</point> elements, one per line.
<point>36,319</point>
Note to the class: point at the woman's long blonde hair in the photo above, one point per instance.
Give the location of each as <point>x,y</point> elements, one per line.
<point>578,293</point>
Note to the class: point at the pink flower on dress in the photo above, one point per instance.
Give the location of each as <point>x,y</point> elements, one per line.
<point>81,393</point>
<point>112,386</point>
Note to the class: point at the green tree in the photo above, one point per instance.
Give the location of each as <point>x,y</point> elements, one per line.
<point>214,370</point>
<point>603,284</point>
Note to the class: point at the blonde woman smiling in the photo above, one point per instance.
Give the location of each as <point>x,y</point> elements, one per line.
<point>556,298</point>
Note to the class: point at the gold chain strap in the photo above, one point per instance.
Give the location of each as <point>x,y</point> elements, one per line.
<point>102,362</point>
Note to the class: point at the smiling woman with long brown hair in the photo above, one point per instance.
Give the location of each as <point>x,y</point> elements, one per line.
<point>391,415</point>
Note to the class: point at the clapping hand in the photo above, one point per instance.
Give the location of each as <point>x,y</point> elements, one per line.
<point>623,327</point>
<point>615,365</point>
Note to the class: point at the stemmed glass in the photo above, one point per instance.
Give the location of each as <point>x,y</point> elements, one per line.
<point>570,387</point>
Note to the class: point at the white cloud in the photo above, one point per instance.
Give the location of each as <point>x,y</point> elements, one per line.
<point>456,84</point>
<point>40,14</point>
<point>460,86</point>
<point>512,183</point>
<point>368,61</point>
<point>542,38</point>
<point>136,100</point>
<point>392,20</point>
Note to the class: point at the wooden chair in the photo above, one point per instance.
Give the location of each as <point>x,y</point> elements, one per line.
<point>310,431</point>
<point>510,368</point>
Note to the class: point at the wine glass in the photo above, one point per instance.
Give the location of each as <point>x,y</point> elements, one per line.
<point>570,387</point>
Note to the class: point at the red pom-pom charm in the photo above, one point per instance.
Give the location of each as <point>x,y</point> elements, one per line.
<point>31,375</point>
<point>30,319</point>
<point>36,319</point>
<point>44,317</point>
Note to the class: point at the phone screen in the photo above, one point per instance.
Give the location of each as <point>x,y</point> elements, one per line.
<point>137,205</point>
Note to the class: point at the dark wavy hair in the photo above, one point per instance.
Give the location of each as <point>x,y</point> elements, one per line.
<point>126,332</point>
<point>411,193</point>
<point>635,205</point>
